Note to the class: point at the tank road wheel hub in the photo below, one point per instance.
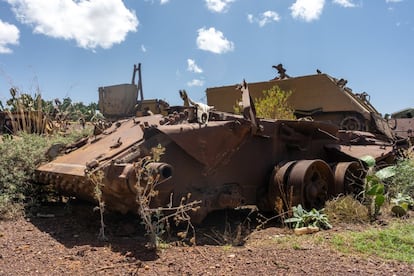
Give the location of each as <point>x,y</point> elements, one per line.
<point>278,190</point>
<point>305,182</point>
<point>351,123</point>
<point>349,178</point>
<point>311,182</point>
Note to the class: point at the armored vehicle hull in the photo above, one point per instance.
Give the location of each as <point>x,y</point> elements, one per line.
<point>225,162</point>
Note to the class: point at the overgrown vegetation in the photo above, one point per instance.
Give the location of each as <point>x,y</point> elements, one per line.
<point>20,155</point>
<point>346,209</point>
<point>273,105</point>
<point>157,220</point>
<point>96,178</point>
<point>402,181</point>
<point>312,218</point>
<point>36,115</point>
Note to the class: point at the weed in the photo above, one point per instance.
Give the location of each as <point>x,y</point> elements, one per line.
<point>157,221</point>
<point>234,234</point>
<point>401,203</point>
<point>96,178</point>
<point>346,209</point>
<point>313,218</point>
<point>374,192</point>
<point>402,181</point>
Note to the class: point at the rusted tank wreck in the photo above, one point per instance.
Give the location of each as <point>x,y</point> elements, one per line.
<point>223,160</point>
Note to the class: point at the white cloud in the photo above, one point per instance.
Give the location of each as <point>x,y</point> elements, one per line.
<point>9,35</point>
<point>307,10</point>
<point>218,5</point>
<point>214,41</point>
<point>162,2</point>
<point>195,82</point>
<point>393,1</point>
<point>250,18</point>
<point>265,18</point>
<point>143,49</point>
<point>193,67</point>
<point>91,23</point>
<point>345,3</point>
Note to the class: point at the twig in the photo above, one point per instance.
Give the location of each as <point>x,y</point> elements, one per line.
<point>117,266</point>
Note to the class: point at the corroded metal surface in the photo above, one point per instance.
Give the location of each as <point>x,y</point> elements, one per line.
<point>225,161</point>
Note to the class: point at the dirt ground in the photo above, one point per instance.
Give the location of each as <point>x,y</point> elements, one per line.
<point>62,240</point>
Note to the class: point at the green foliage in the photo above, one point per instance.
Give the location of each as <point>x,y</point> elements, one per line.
<point>374,188</point>
<point>401,203</point>
<point>395,242</point>
<point>66,109</point>
<point>274,104</point>
<point>402,181</point>
<point>303,218</point>
<point>394,181</point>
<point>20,155</point>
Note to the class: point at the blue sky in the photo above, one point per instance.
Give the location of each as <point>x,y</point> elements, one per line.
<point>68,48</point>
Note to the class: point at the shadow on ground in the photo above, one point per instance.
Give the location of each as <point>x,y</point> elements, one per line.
<point>77,224</point>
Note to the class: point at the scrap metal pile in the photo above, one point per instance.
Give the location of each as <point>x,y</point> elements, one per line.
<point>222,159</point>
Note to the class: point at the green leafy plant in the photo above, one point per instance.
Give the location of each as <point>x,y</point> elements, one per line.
<point>304,218</point>
<point>401,203</point>
<point>374,193</point>
<point>402,180</point>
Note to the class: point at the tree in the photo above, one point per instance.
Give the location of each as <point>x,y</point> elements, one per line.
<point>274,104</point>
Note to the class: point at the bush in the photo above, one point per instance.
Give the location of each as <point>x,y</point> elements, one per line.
<point>402,182</point>
<point>274,104</point>
<point>20,155</point>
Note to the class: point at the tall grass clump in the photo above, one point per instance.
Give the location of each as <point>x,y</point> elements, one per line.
<point>346,209</point>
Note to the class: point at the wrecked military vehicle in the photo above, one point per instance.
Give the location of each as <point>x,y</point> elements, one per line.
<point>222,159</point>
<point>319,96</point>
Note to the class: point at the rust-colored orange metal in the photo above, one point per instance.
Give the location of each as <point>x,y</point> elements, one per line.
<point>225,162</point>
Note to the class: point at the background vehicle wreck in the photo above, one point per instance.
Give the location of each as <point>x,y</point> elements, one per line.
<point>320,96</point>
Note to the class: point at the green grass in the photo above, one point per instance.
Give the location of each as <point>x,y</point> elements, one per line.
<point>395,242</point>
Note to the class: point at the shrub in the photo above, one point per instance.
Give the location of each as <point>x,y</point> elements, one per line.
<point>402,182</point>
<point>274,104</point>
<point>20,155</point>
